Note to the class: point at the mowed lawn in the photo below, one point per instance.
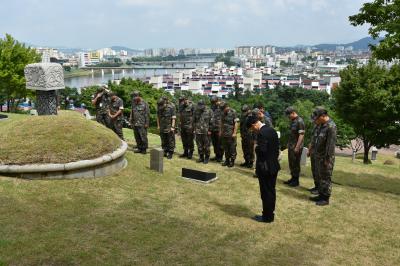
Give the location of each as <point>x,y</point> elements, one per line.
<point>140,217</point>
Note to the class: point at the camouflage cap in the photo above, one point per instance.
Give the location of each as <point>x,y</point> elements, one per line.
<point>290,110</point>
<point>318,111</point>
<point>182,98</point>
<point>214,99</point>
<point>200,102</point>
<point>245,108</point>
<point>255,111</point>
<point>160,102</point>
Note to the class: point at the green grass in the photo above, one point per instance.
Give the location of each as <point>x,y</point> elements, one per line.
<point>139,217</point>
<point>67,137</point>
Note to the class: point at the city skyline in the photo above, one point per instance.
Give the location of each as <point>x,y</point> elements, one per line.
<point>140,24</point>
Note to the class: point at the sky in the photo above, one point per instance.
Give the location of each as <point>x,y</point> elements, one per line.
<point>179,24</point>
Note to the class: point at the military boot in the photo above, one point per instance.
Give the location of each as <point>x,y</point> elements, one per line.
<point>323,201</point>
<point>201,158</point>
<point>169,155</point>
<point>185,154</point>
<point>190,155</point>
<point>219,159</point>
<point>295,183</point>
<point>137,151</point>
<point>206,159</point>
<point>244,164</point>
<point>288,181</point>
<point>231,163</point>
<point>226,163</point>
<point>315,198</point>
<point>250,165</point>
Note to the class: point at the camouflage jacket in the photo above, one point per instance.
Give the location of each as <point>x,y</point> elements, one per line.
<point>244,131</point>
<point>217,113</point>
<point>102,104</point>
<point>186,113</point>
<point>140,114</point>
<point>228,123</point>
<point>115,106</point>
<point>296,128</point>
<point>165,117</point>
<point>314,135</point>
<point>325,142</point>
<point>203,120</point>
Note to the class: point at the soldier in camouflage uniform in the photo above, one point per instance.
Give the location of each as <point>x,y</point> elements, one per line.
<point>324,149</point>
<point>116,114</point>
<point>203,122</point>
<point>295,145</point>
<point>101,101</point>
<point>311,154</point>
<point>186,112</point>
<point>215,130</point>
<point>247,138</point>
<point>166,117</point>
<point>140,119</point>
<point>229,128</point>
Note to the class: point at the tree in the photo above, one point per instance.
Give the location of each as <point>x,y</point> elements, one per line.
<point>368,99</point>
<point>14,56</point>
<point>383,17</point>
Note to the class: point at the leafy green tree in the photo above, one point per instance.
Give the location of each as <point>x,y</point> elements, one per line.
<point>368,99</point>
<point>14,56</point>
<point>383,16</point>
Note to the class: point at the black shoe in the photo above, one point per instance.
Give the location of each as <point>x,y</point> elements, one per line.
<point>143,152</point>
<point>206,159</point>
<point>231,163</point>
<point>262,219</point>
<point>255,176</point>
<point>201,159</point>
<point>288,181</point>
<point>137,151</point>
<point>213,158</point>
<point>315,198</point>
<point>249,165</point>
<point>219,160</point>
<point>294,183</point>
<point>165,154</point>
<point>190,155</point>
<point>226,163</point>
<point>169,156</point>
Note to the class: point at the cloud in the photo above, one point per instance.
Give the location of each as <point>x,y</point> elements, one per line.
<point>145,3</point>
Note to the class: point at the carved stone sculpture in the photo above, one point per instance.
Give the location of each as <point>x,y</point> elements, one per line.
<point>45,78</point>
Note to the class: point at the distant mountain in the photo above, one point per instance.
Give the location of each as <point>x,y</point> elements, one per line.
<point>357,45</point>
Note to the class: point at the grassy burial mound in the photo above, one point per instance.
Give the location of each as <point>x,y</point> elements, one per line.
<point>68,137</point>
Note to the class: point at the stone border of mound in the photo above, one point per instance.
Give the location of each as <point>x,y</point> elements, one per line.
<point>3,117</point>
<point>103,166</point>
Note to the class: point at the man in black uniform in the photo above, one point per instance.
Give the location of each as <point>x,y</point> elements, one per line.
<point>267,166</point>
<point>186,113</point>
<point>295,145</point>
<point>215,130</point>
<point>140,119</point>
<point>116,114</point>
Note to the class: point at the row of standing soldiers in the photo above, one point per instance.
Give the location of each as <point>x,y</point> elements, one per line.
<point>218,125</point>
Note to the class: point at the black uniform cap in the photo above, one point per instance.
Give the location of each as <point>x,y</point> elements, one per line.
<point>252,119</point>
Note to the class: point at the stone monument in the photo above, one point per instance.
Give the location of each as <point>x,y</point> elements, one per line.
<point>156,160</point>
<point>45,79</point>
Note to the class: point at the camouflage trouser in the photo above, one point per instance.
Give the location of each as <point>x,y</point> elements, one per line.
<point>140,134</point>
<point>229,146</point>
<point>294,162</point>
<point>314,170</point>
<point>187,137</point>
<point>116,126</point>
<point>248,148</point>
<point>168,141</point>
<point>324,170</point>
<point>203,144</point>
<point>217,144</point>
<point>103,119</point>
